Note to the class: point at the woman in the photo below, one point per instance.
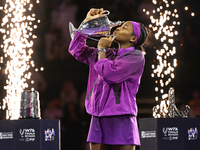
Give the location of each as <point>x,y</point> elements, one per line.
<point>114,78</point>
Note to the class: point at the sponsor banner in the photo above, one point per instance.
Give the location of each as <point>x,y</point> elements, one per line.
<point>148,134</point>
<point>6,135</point>
<point>170,133</point>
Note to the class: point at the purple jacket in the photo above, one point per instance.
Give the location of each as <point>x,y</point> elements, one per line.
<point>113,81</point>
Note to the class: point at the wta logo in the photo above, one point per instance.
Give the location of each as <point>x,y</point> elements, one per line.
<point>49,134</point>
<point>170,133</point>
<point>27,135</point>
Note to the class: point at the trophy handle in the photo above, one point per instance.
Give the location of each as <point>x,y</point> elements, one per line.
<point>112,24</point>
<point>106,13</point>
<point>72,30</point>
<point>117,23</point>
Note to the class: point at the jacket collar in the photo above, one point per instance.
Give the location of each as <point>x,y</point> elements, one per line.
<point>122,50</point>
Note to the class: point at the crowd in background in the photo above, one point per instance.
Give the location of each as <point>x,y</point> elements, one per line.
<point>62,85</point>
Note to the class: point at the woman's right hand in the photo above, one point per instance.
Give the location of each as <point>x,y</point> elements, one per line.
<point>94,13</point>
<point>105,42</point>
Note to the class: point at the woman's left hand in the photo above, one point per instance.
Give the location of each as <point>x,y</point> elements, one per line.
<point>93,13</point>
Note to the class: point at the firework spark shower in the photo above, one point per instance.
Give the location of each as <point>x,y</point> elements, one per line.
<point>164,24</point>
<point>17,28</point>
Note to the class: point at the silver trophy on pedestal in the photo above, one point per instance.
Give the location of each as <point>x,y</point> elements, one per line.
<point>30,105</point>
<point>172,105</point>
<point>171,109</point>
<point>97,27</point>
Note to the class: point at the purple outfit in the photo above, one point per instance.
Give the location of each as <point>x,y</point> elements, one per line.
<point>112,84</point>
<point>114,130</point>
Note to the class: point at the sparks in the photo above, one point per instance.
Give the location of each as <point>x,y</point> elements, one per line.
<point>17,25</point>
<point>165,31</point>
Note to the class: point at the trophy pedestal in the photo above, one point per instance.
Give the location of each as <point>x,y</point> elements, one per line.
<point>30,134</point>
<point>169,133</point>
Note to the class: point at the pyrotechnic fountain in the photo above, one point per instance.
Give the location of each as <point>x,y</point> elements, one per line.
<point>17,27</point>
<point>165,30</point>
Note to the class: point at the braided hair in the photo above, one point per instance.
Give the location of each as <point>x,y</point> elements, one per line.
<point>143,37</point>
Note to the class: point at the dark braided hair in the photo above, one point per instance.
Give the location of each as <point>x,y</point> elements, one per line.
<point>143,37</point>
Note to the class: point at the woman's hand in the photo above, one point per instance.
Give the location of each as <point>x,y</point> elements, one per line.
<point>94,13</point>
<point>105,42</point>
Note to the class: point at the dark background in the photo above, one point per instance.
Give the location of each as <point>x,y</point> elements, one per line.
<point>59,70</point>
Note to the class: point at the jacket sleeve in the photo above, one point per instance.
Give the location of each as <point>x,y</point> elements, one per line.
<point>121,69</point>
<point>79,50</point>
